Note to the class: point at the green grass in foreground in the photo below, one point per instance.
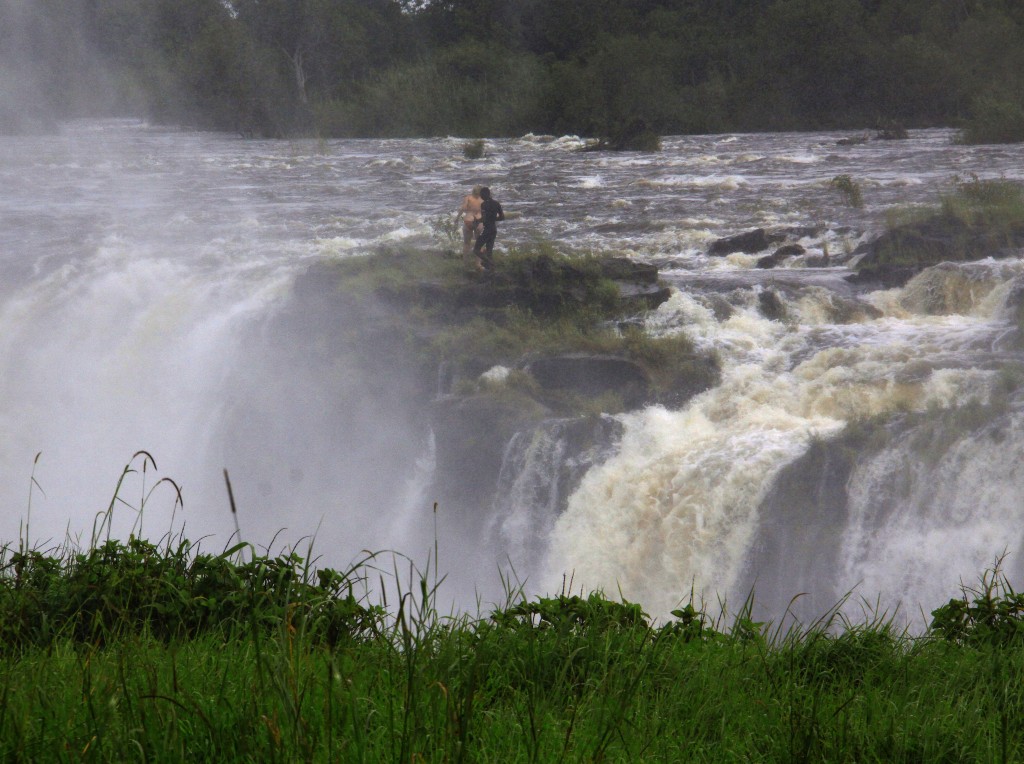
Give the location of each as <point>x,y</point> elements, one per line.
<point>131,651</point>
<point>562,678</point>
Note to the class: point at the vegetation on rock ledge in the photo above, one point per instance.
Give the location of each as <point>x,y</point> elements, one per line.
<point>980,218</point>
<point>537,303</point>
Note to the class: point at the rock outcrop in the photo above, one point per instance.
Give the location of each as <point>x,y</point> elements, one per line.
<point>758,240</point>
<point>592,376</point>
<point>414,316</point>
<point>635,135</point>
<point>899,254</point>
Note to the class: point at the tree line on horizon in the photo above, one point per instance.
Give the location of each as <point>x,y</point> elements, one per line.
<point>401,68</point>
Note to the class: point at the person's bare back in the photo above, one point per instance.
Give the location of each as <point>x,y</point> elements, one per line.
<point>470,211</point>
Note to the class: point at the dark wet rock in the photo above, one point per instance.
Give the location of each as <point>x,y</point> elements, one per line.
<point>1015,306</point>
<point>844,310</point>
<point>635,135</point>
<point>885,276</point>
<point>624,269</point>
<point>669,262</point>
<point>771,305</point>
<point>802,231</point>
<point>749,242</point>
<point>789,250</point>
<point>640,297</point>
<point>855,140</point>
<point>720,307</point>
<point>480,448</point>
<point>470,435</point>
<point>559,452</point>
<point>760,239</point>
<point>803,518</point>
<point>780,255</point>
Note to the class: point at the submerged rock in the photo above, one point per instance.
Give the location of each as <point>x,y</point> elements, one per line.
<point>779,255</point>
<point>771,305</point>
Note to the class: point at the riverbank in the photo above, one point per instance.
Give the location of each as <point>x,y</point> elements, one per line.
<point>290,666</point>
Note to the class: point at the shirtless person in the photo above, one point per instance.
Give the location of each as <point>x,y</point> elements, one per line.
<point>490,214</point>
<point>470,211</point>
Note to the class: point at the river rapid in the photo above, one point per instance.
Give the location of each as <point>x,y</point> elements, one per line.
<point>136,262</point>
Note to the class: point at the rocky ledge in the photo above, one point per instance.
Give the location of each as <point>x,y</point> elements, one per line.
<point>903,251</point>
<point>544,344</point>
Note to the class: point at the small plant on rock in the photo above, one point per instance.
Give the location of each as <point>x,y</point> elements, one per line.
<point>473,149</point>
<point>848,189</point>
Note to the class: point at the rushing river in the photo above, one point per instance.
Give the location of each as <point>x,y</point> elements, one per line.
<point>135,262</point>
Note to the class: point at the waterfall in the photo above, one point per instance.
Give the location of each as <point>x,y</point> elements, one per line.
<point>681,505</point>
<point>527,500</point>
<point>938,503</point>
<point>858,438</point>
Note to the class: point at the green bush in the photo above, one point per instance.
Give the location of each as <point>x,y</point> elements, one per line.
<point>996,119</point>
<point>122,588</point>
<point>992,614</point>
<point>473,149</point>
<point>848,189</point>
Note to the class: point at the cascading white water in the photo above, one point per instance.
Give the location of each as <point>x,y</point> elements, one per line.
<point>677,509</point>
<point>527,492</point>
<point>138,267</point>
<point>924,515</point>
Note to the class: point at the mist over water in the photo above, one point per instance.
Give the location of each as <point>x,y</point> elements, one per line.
<point>141,267</point>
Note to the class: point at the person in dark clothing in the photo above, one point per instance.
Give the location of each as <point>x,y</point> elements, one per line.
<point>490,214</point>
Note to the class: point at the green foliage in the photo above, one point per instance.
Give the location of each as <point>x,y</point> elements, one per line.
<point>473,149</point>
<point>690,625</point>
<point>995,119</point>
<point>122,589</point>
<point>448,230</point>
<point>848,189</point>
<point>114,590</point>
<point>571,614</point>
<point>483,67</point>
<point>991,614</point>
<point>992,203</point>
<point>561,677</point>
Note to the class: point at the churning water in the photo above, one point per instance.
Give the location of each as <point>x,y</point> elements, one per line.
<point>136,263</point>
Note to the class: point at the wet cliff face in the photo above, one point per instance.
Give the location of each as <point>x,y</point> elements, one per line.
<point>336,431</point>
<point>888,507</point>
